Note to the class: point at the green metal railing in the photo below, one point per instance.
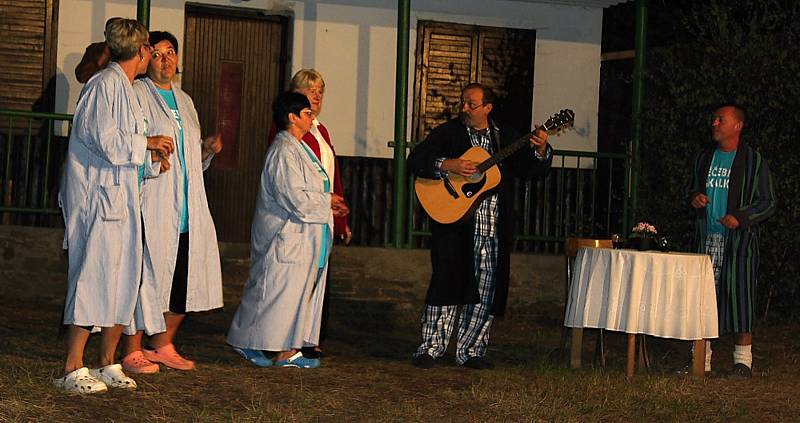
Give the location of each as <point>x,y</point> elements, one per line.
<point>28,171</point>
<point>585,194</point>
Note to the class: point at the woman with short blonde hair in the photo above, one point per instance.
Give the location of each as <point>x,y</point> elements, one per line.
<point>108,156</point>
<point>124,37</point>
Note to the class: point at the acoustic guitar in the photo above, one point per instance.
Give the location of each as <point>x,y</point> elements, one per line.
<point>456,197</point>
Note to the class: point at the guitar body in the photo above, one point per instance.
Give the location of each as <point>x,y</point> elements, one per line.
<point>442,206</point>
<point>453,199</point>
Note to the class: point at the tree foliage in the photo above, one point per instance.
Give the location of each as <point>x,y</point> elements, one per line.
<point>743,51</point>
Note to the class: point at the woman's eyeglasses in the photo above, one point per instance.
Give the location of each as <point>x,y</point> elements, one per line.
<point>169,54</point>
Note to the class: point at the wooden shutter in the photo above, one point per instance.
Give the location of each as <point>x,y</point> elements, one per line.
<point>449,56</point>
<point>27,54</point>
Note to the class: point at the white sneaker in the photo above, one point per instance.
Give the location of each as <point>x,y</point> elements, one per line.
<point>80,381</point>
<point>113,376</point>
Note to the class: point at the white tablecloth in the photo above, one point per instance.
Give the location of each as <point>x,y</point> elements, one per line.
<point>670,295</point>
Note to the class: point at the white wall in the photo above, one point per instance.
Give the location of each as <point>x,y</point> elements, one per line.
<point>352,43</point>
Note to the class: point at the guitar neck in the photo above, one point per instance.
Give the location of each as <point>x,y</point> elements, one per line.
<point>508,150</point>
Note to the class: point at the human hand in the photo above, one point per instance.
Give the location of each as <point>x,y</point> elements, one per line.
<point>459,167</point>
<point>539,142</point>
<point>348,235</point>
<point>165,165</point>
<point>212,145</point>
<point>163,144</point>
<point>338,206</point>
<point>699,200</point>
<point>729,221</point>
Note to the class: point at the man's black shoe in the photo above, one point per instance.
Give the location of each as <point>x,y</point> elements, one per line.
<point>741,371</point>
<point>478,363</point>
<point>424,361</point>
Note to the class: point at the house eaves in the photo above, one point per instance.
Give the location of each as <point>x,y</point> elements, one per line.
<point>585,3</point>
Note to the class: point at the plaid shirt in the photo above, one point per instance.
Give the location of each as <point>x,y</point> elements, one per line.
<point>486,213</point>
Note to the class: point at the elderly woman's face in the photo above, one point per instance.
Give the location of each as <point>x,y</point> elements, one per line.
<point>163,63</point>
<point>315,91</point>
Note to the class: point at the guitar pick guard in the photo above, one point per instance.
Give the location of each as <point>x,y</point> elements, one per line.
<point>470,189</point>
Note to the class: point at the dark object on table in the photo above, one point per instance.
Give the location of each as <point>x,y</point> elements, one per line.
<point>617,241</point>
<point>663,243</point>
<point>642,243</point>
<point>660,243</point>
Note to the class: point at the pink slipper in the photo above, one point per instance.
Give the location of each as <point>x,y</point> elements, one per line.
<point>136,363</point>
<point>167,356</point>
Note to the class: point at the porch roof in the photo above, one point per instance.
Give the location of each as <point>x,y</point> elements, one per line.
<point>588,3</point>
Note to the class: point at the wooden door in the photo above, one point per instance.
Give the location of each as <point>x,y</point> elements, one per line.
<point>449,56</point>
<point>234,66</point>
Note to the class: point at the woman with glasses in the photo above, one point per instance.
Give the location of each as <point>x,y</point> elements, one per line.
<point>181,271</point>
<point>107,158</point>
<point>309,82</point>
<point>291,238</point>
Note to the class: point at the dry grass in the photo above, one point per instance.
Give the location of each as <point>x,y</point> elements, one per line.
<point>366,375</point>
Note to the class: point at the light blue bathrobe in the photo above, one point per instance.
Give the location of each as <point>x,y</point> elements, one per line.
<point>281,304</point>
<point>162,202</point>
<point>99,198</point>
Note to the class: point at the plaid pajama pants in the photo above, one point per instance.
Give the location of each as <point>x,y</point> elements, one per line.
<point>715,247</point>
<point>476,319</point>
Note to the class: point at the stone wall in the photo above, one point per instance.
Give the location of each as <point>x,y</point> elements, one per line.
<point>31,256</point>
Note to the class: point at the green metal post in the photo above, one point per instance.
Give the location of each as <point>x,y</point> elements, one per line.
<point>400,121</point>
<point>143,12</point>
<point>638,100</point>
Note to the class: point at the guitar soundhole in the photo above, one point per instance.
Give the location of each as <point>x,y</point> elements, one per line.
<point>475,177</point>
<point>470,190</point>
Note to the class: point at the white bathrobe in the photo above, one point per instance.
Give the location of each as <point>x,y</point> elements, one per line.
<point>281,304</point>
<point>100,201</point>
<point>162,202</point>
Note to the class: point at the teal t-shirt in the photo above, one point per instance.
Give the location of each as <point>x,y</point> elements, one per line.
<point>169,98</point>
<point>323,253</point>
<point>719,175</point>
<point>140,169</point>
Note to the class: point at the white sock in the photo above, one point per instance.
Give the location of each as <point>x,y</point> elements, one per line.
<point>743,354</point>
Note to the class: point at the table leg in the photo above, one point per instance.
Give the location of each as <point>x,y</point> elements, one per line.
<point>699,358</point>
<point>576,348</point>
<point>629,368</point>
<point>644,358</point>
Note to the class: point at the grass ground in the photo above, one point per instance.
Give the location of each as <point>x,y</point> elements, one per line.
<point>366,375</point>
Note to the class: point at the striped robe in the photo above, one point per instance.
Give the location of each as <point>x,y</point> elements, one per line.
<point>751,200</point>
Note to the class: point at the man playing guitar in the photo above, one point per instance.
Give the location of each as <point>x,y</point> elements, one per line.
<point>471,257</point>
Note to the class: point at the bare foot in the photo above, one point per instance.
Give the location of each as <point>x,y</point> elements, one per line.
<point>283,355</point>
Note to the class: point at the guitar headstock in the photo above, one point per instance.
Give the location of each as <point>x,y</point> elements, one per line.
<point>561,120</point>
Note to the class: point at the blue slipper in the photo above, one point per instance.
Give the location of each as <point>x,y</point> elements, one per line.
<point>299,361</point>
<point>254,356</point>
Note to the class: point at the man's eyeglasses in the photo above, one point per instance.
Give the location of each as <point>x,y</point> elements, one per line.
<point>307,112</point>
<point>470,106</point>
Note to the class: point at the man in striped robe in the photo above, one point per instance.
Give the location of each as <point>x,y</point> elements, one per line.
<point>732,193</point>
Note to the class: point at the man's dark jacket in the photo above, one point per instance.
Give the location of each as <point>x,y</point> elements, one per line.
<point>453,278</point>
